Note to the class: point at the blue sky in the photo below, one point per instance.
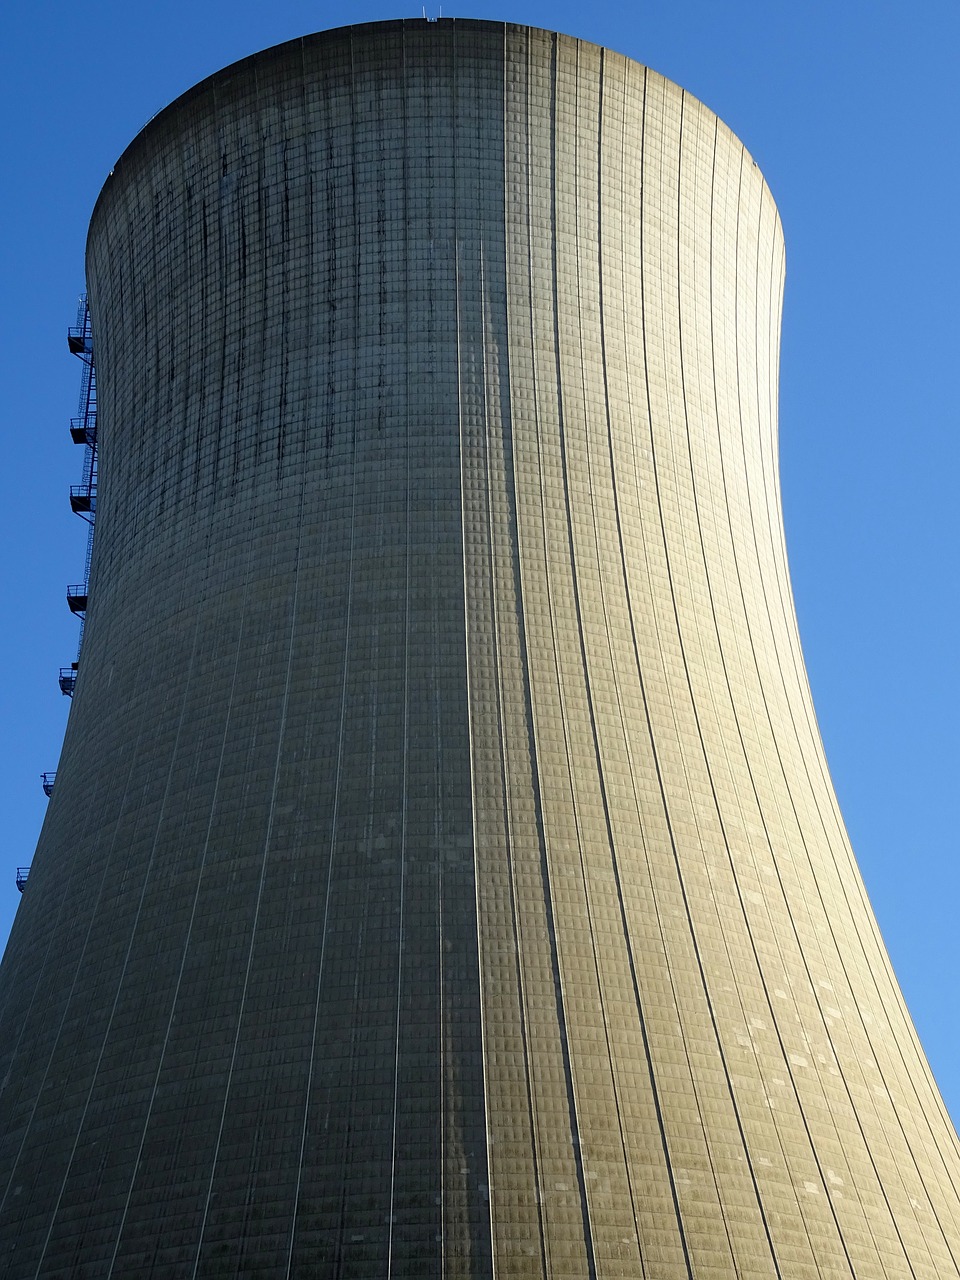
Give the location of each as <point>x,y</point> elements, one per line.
<point>852,111</point>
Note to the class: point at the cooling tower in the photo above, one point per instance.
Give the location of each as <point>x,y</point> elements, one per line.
<point>443,879</point>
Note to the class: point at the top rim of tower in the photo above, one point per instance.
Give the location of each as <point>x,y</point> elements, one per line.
<point>332,34</point>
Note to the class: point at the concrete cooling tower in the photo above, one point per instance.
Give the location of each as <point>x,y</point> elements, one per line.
<point>443,879</point>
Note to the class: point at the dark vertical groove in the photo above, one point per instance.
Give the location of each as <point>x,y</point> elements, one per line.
<point>587,689</point>
<point>478,1214</point>
<point>541,829</point>
<point>615,862</point>
<point>491,610</point>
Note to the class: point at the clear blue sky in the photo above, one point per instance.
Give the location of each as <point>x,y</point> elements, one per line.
<point>852,111</point>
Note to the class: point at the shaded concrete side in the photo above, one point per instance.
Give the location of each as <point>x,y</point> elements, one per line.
<point>244,989</point>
